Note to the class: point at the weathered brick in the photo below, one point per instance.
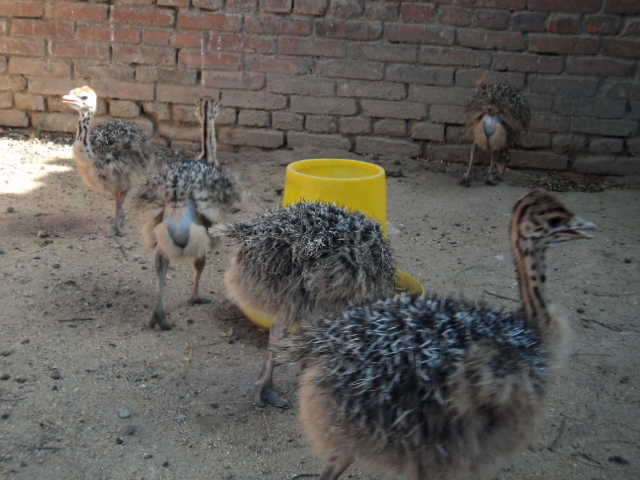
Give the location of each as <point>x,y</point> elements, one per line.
<point>185,3</point>
<point>12,83</point>
<point>601,67</point>
<point>514,5</point>
<point>180,94</point>
<point>73,49</point>
<point>310,7</point>
<point>6,101</point>
<point>606,146</point>
<point>596,107</point>
<point>351,69</point>
<point>323,105</point>
<point>538,160</point>
<point>386,109</point>
<point>349,30</point>
<point>568,144</point>
<point>164,57</point>
<point>621,89</point>
<point>207,4</point>
<point>313,86</point>
<point>157,17</point>
<point>550,123</point>
<point>454,56</point>
<point>439,95</point>
<point>447,114</point>
<point>633,144</point>
<point>365,89</point>
<point>241,6</point>
<point>529,22</point>
<point>320,124</point>
<point>39,66</point>
<point>564,24</point>
<point>534,140</point>
<point>428,131</point>
<point>41,28</point>
<point>22,46</point>
<point>269,64</point>
<point>197,20</point>
<point>390,127</point>
<point>14,118</point>
<point>124,109</point>
<point>608,127</point>
<point>415,12</point>
<point>460,17</point>
<point>242,43</point>
<point>111,33</point>
<point>159,111</point>
<point>251,137</point>
<point>17,9</point>
<point>420,34</point>
<point>207,60</point>
<point>49,85</point>
<point>160,38</point>
<point>123,90</point>
<point>179,132</point>
<point>254,100</point>
<point>621,48</point>
<point>184,113</point>
<point>287,120</point>
<point>254,118</point>
<point>79,12</point>
<point>491,39</point>
<point>624,7</point>
<point>384,52</point>
<point>387,147</point>
<point>607,165</point>
<point>584,6</point>
<point>311,47</point>
<point>187,40</point>
<point>556,85</point>
<point>311,140</point>
<point>603,24</point>
<point>419,74</point>
<point>469,78</point>
<point>29,102</point>
<point>277,25</point>
<point>276,6</point>
<point>235,80</point>
<point>355,125</point>
<point>448,153</point>
<point>55,122</point>
<point>567,45</point>
<point>386,12</point>
<point>492,19</point>
<point>524,62</point>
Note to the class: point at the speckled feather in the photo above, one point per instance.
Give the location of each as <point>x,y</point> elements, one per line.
<point>120,141</point>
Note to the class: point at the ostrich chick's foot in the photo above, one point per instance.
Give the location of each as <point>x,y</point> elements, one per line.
<point>492,180</point>
<point>160,319</point>
<point>269,395</point>
<point>198,300</point>
<point>465,181</point>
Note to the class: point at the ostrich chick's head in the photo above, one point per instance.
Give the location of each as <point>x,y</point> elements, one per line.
<point>82,99</point>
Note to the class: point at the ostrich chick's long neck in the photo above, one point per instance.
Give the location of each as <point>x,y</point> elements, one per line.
<point>83,141</point>
<point>531,269</point>
<point>208,114</point>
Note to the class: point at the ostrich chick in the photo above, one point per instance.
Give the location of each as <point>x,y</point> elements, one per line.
<point>302,262</point>
<point>110,158</point>
<point>437,388</point>
<point>178,203</point>
<point>496,116</point>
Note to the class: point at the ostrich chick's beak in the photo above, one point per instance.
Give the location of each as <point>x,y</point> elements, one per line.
<point>71,100</point>
<point>576,229</point>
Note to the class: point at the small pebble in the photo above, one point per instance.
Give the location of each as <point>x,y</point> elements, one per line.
<point>42,234</point>
<point>180,418</point>
<point>147,456</point>
<point>21,379</point>
<point>627,260</point>
<point>10,209</point>
<point>56,375</point>
<point>4,376</point>
<point>132,430</point>
<point>124,413</point>
<point>119,441</point>
<point>7,352</point>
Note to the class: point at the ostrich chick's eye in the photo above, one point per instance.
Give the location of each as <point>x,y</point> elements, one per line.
<point>555,221</point>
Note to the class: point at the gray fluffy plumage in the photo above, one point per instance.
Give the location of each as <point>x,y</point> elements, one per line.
<point>121,141</point>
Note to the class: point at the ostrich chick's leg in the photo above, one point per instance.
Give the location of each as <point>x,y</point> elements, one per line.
<point>491,179</point>
<point>465,181</point>
<point>159,317</point>
<point>334,468</point>
<point>264,385</point>
<point>118,219</point>
<point>198,266</point>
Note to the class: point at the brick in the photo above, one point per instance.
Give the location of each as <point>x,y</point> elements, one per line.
<point>355,125</point>
<point>550,123</point>
<point>386,12</point>
<point>287,120</point>
<point>50,85</point>
<point>534,140</point>
<point>254,118</point>
<point>599,67</point>
<point>606,146</point>
<point>554,85</point>
<point>22,46</point>
<point>582,6</point>
<point>235,80</point>
<point>187,40</point>
<point>276,6</point>
<point>28,102</point>
<point>55,122</point>
<point>564,24</point>
<point>377,90</point>
<point>439,95</point>
<point>384,52</point>
<point>563,144</point>
<point>164,57</point>
<point>608,127</point>
<point>313,47</point>
<point>469,78</point>
<point>14,118</point>
<point>41,28</point>
<point>385,109</point>
<point>6,101</point>
<point>207,4</point>
<point>123,90</point>
<point>158,111</point>
<point>160,38</point>
<point>607,165</point>
<point>459,17</point>
<point>390,127</point>
<point>12,83</point>
<point>277,25</point>
<point>349,30</point>
<point>420,34</point>
<point>603,24</point>
<point>524,62</point>
<point>176,94</point>
<point>448,153</point>
<point>184,113</point>
<point>254,100</point>
<point>111,33</point>
<point>597,107</point>
<point>419,74</point>
<point>196,20</point>
<point>538,160</point>
<point>419,13</point>
<point>79,12</point>
<point>290,65</point>
<point>17,9</point>
<point>312,86</point>
<point>242,43</point>
<point>202,61</point>
<point>179,132</point>
<point>320,124</point>
<point>124,109</point>
<point>489,39</point>
<point>96,69</point>
<point>251,137</point>
<point>310,7</point>
<point>351,69</point>
<point>634,146</point>
<point>529,22</point>
<point>184,3</point>
<point>242,6</point>
<point>620,89</point>
<point>565,45</point>
<point>387,147</point>
<point>621,48</point>
<point>514,5</point>
<point>39,66</point>
<point>492,19</point>
<point>156,17</point>
<point>624,7</point>
<point>323,105</point>
<point>454,114</point>
<point>73,49</point>
<point>311,140</point>
<point>454,56</point>
<point>346,8</point>
<point>433,132</point>
<point>631,29</point>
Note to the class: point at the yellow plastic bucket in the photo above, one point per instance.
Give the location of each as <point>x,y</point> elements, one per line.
<point>357,185</point>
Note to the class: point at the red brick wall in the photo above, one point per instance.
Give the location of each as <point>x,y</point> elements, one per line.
<point>386,77</point>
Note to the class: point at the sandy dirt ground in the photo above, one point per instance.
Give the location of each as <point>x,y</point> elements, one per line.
<point>88,391</point>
